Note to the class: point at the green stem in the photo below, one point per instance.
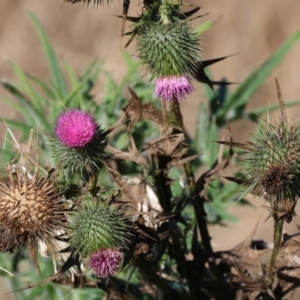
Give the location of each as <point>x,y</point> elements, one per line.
<point>278,227</point>
<point>172,115</point>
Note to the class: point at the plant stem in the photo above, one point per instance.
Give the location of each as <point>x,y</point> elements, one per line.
<point>278,227</point>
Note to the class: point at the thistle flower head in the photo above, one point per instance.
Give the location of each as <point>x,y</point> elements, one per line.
<point>173,87</point>
<point>78,142</point>
<point>106,262</point>
<point>75,128</point>
<point>273,162</point>
<point>95,225</point>
<point>168,50</point>
<point>31,210</point>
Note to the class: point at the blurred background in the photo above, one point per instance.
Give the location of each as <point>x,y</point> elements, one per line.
<point>252,30</point>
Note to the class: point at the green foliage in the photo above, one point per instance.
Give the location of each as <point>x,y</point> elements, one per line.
<point>41,102</point>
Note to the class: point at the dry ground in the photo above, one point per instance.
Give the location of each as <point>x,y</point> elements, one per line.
<point>252,29</point>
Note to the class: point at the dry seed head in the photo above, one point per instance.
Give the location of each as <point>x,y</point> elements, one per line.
<point>275,179</point>
<point>31,209</point>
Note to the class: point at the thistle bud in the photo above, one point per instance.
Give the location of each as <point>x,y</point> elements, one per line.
<point>31,210</point>
<point>106,262</point>
<point>95,225</point>
<point>78,143</point>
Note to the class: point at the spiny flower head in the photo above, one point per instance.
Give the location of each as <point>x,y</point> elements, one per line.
<point>173,87</point>
<point>96,225</point>
<point>273,162</point>
<point>168,49</point>
<point>75,128</point>
<point>106,262</point>
<point>31,209</point>
<point>78,142</point>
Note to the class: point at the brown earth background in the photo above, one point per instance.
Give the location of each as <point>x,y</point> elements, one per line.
<point>252,29</point>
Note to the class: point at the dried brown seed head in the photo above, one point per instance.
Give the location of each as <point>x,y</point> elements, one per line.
<point>31,209</point>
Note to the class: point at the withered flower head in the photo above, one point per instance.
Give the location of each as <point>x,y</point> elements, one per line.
<point>273,162</point>
<point>31,209</point>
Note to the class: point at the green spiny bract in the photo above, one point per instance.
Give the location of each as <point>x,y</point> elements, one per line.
<point>273,163</point>
<point>164,12</point>
<point>96,225</point>
<point>89,158</point>
<point>168,50</point>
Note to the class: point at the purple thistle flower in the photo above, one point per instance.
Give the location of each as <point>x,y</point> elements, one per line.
<point>173,87</point>
<point>105,262</point>
<point>75,128</point>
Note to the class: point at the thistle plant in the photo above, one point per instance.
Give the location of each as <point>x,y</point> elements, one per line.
<point>114,200</point>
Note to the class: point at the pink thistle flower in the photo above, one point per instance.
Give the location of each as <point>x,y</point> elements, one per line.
<point>173,87</point>
<point>106,262</point>
<point>75,128</point>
